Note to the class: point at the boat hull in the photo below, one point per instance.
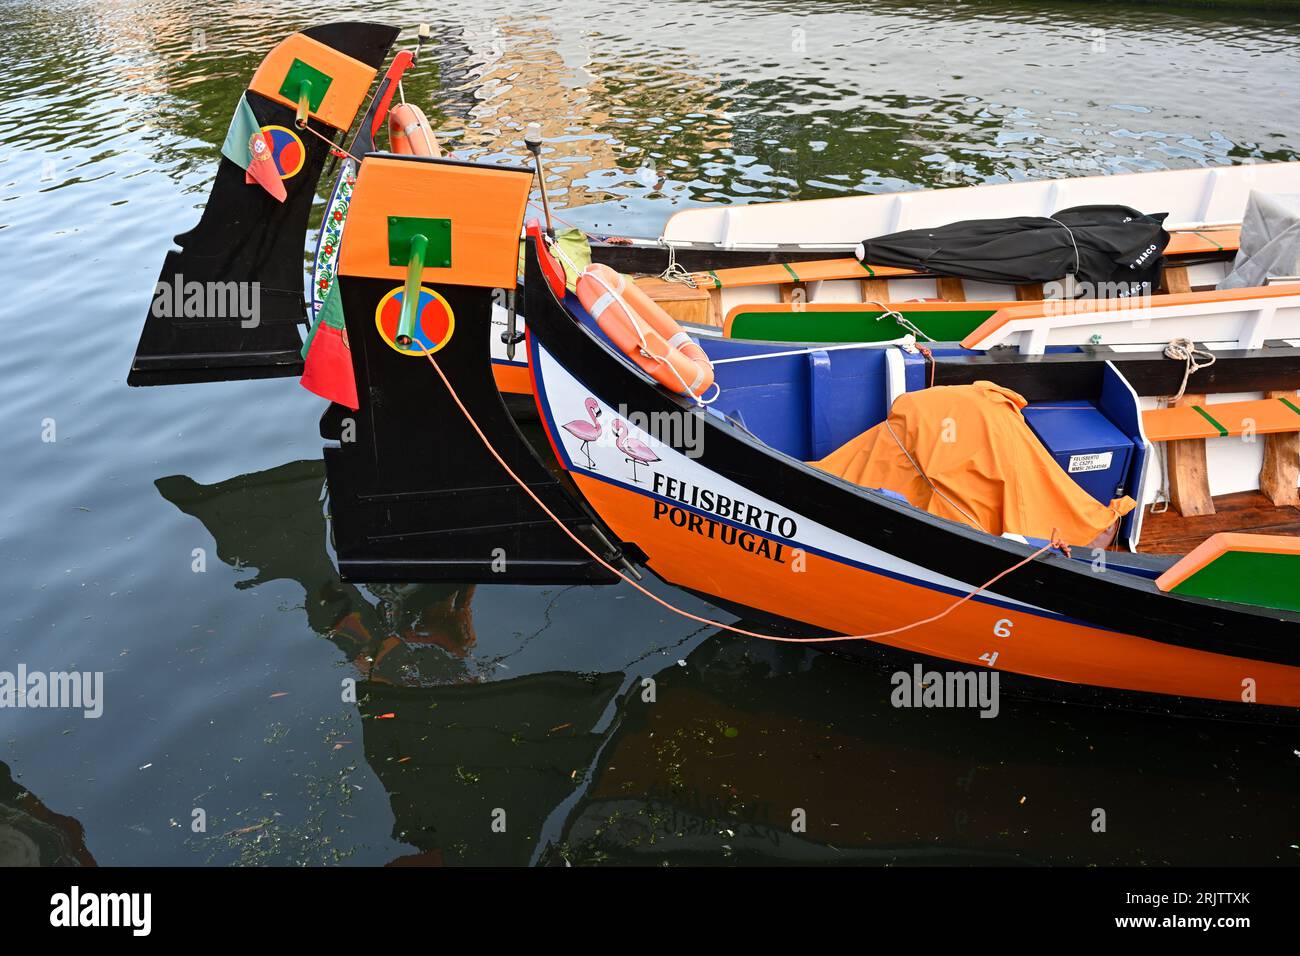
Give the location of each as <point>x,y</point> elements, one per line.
<point>811,549</point>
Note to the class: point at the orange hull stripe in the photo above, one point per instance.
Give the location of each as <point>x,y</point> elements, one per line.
<point>512,379</point>
<point>845,599</point>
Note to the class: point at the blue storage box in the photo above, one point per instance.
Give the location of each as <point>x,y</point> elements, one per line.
<point>1085,444</point>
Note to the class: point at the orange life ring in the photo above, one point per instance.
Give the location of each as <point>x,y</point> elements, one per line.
<point>644,331</point>
<point>409,133</point>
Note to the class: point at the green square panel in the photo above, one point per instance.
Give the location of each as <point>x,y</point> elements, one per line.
<point>1248,577</point>
<point>299,71</point>
<point>437,231</point>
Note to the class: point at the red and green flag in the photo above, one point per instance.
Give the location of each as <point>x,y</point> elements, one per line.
<point>250,149</point>
<point>327,369</point>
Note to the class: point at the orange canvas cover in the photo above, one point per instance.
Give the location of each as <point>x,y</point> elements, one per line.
<point>987,468</point>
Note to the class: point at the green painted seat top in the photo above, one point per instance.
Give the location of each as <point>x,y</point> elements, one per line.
<point>855,325</point>
<point>1248,577</point>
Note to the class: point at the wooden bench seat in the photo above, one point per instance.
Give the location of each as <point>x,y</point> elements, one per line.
<point>1266,416</point>
<point>1185,426</point>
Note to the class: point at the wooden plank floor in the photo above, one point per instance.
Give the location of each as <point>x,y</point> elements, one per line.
<point>1248,511</point>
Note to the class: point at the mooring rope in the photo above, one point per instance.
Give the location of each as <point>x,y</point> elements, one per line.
<point>1185,350</point>
<point>487,443</point>
<point>674,271</point>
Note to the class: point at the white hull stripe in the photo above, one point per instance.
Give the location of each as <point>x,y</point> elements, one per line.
<point>559,393</point>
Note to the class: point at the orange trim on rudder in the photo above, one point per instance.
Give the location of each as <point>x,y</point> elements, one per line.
<point>484,203</point>
<point>350,79</point>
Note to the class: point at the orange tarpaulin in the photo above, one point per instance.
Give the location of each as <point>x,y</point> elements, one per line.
<point>987,468</point>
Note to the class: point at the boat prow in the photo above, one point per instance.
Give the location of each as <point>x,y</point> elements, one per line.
<point>229,300</point>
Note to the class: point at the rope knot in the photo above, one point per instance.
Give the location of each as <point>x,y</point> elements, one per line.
<point>1185,350</point>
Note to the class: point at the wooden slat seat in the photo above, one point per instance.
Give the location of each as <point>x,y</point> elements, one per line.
<point>813,271</point>
<point>1193,242</point>
<point>1265,416</point>
<point>683,303</point>
<point>1184,427</point>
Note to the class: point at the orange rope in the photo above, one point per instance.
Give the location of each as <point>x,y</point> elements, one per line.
<point>929,356</point>
<point>335,149</point>
<point>687,614</point>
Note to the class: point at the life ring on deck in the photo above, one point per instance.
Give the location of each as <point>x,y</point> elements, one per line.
<point>644,331</point>
<point>409,133</point>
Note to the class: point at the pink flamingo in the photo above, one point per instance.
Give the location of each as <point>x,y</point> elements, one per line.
<point>635,451</point>
<point>588,431</point>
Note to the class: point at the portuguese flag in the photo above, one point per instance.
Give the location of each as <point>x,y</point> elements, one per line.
<point>250,149</point>
<point>327,371</point>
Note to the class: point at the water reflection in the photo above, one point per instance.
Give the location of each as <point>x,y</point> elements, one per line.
<point>450,751</point>
<point>109,136</point>
<point>716,758</point>
<point>686,102</point>
<point>271,525</point>
<point>749,736</point>
<point>31,834</point>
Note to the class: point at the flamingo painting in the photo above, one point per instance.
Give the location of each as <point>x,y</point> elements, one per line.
<point>635,451</point>
<point>586,431</point>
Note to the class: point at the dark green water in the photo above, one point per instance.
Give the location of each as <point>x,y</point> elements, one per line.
<point>223,688</point>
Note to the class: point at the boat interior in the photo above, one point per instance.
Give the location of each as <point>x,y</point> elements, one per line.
<point>1207,464</point>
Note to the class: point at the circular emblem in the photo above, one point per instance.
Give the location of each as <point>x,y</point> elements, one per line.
<point>286,150</point>
<point>433,327</point>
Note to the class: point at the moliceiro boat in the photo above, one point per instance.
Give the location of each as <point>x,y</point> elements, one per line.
<point>817,494</point>
<point>1096,497</point>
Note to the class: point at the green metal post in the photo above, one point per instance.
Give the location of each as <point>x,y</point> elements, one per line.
<point>411,294</point>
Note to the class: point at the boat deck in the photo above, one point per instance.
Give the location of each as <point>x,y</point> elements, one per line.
<point>1246,511</point>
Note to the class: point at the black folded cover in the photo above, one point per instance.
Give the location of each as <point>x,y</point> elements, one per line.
<point>1096,244</point>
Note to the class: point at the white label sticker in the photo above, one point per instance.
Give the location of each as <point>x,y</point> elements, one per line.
<point>1097,462</point>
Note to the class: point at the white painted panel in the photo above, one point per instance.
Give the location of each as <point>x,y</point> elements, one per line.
<point>1233,464</point>
<point>1285,324</point>
<point>749,295</point>
<point>835,290</point>
<point>1190,196</point>
<point>1232,191</point>
<point>1198,328</point>
<point>1207,273</point>
<point>977,291</point>
<point>900,290</point>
